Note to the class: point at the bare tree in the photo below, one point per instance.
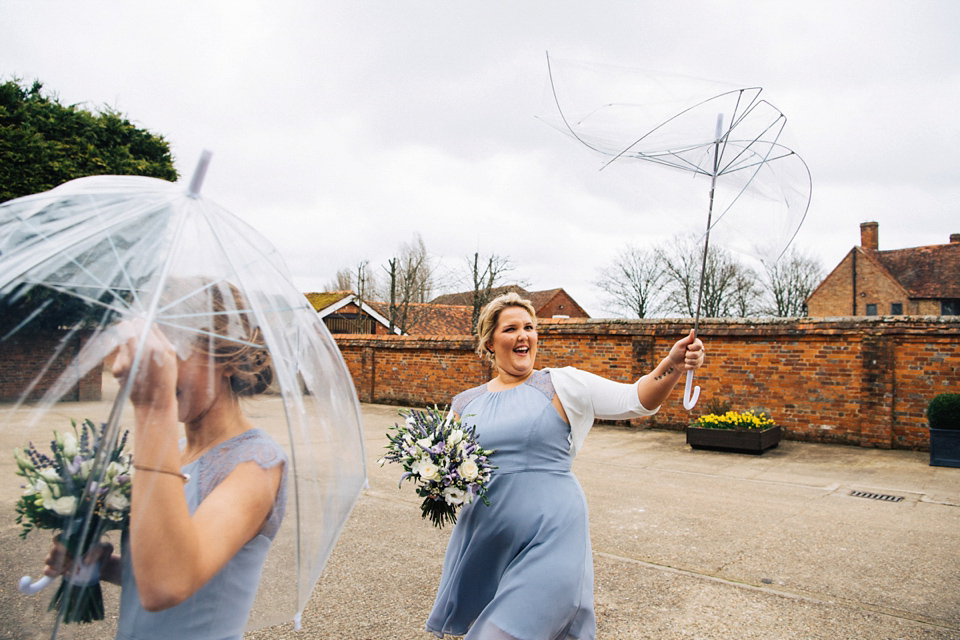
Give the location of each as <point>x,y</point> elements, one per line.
<point>365,284</point>
<point>485,275</point>
<point>633,282</point>
<point>729,288</point>
<point>411,275</point>
<point>343,281</point>
<point>789,281</point>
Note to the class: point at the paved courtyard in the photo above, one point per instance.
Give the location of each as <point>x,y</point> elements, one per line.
<point>687,544</point>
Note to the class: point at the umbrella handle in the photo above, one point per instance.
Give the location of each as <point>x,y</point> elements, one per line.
<point>690,399</point>
<point>29,589</point>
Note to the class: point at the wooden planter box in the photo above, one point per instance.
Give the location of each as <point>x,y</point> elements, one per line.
<point>755,442</point>
<point>945,448</point>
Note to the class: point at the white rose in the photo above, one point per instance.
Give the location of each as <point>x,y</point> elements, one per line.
<point>50,475</point>
<point>70,446</point>
<point>469,470</point>
<point>64,506</point>
<point>426,443</point>
<point>452,495</point>
<point>455,437</point>
<point>116,501</point>
<point>429,471</point>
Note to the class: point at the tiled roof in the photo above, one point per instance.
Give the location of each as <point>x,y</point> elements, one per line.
<point>466,297</point>
<point>539,299</point>
<point>931,272</point>
<point>433,319</point>
<point>321,301</point>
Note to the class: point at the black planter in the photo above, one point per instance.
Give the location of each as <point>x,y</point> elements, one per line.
<point>753,441</point>
<point>945,448</point>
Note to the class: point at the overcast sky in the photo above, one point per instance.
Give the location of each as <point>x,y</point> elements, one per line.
<point>339,129</point>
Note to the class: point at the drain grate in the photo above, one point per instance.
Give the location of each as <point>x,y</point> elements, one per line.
<point>876,496</point>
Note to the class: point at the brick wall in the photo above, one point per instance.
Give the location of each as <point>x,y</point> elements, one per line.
<point>862,381</point>
<point>22,359</point>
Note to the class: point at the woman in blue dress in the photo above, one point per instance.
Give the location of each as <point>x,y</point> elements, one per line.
<point>204,509</point>
<point>522,568</point>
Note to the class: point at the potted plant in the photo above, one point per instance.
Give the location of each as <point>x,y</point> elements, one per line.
<point>943,416</point>
<point>726,430</point>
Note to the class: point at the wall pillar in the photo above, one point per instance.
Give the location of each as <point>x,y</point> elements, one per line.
<point>877,375</point>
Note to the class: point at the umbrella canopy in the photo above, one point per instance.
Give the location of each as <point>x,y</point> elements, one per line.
<point>99,250</point>
<point>755,188</point>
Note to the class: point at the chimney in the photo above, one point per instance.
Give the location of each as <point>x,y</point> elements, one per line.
<point>955,238</point>
<point>869,236</point>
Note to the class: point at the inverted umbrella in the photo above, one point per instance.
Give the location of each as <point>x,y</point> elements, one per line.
<point>757,188</point>
<point>94,251</point>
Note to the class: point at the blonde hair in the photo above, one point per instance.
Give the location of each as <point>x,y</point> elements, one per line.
<point>241,349</point>
<point>490,315</point>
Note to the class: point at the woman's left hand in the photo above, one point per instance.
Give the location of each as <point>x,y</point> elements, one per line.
<point>688,353</point>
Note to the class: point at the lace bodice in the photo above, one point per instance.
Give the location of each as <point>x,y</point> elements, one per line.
<point>539,380</point>
<point>250,446</point>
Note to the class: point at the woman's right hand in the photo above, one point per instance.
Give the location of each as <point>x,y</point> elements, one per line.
<point>59,562</point>
<point>155,380</point>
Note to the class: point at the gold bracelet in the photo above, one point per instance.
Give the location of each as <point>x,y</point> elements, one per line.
<point>182,476</point>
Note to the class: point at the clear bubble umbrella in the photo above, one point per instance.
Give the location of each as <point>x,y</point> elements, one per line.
<point>80,258</point>
<point>687,132</point>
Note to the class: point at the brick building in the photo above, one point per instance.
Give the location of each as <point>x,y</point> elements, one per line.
<point>451,314</point>
<point>921,281</point>
<point>344,312</point>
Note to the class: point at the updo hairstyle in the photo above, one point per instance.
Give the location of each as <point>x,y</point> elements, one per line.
<point>490,316</point>
<point>226,332</point>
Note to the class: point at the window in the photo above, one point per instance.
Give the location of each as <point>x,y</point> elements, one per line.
<point>950,307</point>
<point>896,308</point>
<point>871,309</point>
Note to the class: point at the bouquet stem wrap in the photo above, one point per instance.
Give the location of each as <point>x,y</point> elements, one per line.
<point>79,597</point>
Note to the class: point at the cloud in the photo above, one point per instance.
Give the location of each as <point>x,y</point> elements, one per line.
<point>341,129</point>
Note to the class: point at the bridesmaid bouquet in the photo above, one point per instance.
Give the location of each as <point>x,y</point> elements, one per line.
<point>61,493</point>
<point>442,456</point>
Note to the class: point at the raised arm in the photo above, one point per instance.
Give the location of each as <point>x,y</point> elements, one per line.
<point>687,354</point>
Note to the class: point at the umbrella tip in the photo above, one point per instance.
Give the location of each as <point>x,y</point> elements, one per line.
<point>199,173</point>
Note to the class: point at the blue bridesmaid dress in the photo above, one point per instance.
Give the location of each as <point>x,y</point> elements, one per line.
<point>220,608</point>
<point>521,568</point>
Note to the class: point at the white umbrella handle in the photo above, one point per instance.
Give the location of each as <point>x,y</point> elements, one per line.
<point>29,589</point>
<point>690,399</point>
